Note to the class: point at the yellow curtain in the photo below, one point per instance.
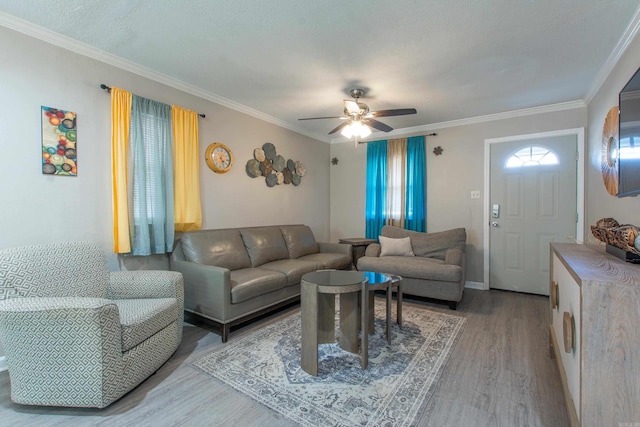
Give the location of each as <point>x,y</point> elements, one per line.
<point>186,177</point>
<point>120,113</point>
<point>396,185</point>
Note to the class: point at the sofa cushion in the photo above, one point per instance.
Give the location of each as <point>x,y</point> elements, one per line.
<point>300,240</point>
<point>222,248</point>
<point>399,247</point>
<point>294,269</point>
<point>412,267</point>
<point>329,260</point>
<point>142,318</point>
<point>264,244</point>
<point>249,283</point>
<point>433,245</point>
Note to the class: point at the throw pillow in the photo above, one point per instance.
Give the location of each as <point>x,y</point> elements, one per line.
<point>398,247</point>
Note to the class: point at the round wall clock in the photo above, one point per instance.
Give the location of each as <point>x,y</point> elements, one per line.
<point>609,151</point>
<point>219,157</point>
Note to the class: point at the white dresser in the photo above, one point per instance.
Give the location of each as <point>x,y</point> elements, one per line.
<point>595,334</point>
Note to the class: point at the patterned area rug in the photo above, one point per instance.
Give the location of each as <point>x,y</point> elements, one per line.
<point>398,383</point>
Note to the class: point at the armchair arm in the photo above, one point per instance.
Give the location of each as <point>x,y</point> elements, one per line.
<point>54,344</point>
<point>373,250</point>
<point>145,284</point>
<point>207,286</point>
<point>453,256</point>
<point>14,306</point>
<point>341,248</point>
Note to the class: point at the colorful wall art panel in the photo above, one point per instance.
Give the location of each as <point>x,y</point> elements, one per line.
<point>59,156</point>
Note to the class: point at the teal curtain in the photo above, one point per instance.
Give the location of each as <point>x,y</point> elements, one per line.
<point>415,196</point>
<point>151,177</point>
<point>376,188</point>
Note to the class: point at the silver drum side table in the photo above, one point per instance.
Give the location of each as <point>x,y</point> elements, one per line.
<point>317,295</point>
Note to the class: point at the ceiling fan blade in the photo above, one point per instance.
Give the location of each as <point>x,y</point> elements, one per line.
<point>351,106</point>
<point>339,127</point>
<point>396,112</point>
<point>328,117</point>
<point>377,125</point>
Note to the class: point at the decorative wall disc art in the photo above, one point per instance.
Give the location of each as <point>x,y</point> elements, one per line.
<point>275,169</point>
<point>59,138</point>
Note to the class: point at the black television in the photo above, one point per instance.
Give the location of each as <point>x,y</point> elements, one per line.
<point>628,153</point>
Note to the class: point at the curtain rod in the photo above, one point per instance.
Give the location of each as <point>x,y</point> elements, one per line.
<point>108,89</point>
<point>428,134</point>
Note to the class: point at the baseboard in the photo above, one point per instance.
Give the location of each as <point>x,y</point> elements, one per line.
<point>3,363</point>
<point>474,285</point>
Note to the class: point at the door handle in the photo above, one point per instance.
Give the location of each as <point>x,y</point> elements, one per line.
<point>495,224</point>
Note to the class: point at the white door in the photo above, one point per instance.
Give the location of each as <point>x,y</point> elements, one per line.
<point>533,190</point>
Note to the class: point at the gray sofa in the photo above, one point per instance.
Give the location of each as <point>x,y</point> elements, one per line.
<point>436,271</point>
<point>232,275</point>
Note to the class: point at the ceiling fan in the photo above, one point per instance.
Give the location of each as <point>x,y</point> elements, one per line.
<point>358,118</point>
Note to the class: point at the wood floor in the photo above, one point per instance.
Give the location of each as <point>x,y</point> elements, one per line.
<point>500,374</point>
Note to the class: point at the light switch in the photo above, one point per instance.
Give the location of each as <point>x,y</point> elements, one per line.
<point>475,194</point>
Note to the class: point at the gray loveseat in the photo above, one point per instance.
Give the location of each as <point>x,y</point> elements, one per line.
<point>232,275</point>
<point>436,271</point>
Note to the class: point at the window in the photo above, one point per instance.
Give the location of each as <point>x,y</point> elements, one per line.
<point>151,177</point>
<point>153,143</point>
<point>395,185</point>
<point>396,157</point>
<point>533,155</point>
<point>153,194</point>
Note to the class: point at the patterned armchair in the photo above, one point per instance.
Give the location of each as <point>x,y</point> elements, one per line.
<point>77,335</point>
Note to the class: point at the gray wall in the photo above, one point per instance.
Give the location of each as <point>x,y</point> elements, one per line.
<point>450,178</point>
<point>599,203</point>
<point>44,209</point>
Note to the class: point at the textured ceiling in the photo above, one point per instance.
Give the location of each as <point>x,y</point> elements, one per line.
<point>298,58</point>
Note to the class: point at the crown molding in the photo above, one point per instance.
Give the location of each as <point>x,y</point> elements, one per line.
<point>73,45</point>
<point>570,105</point>
<point>624,42</point>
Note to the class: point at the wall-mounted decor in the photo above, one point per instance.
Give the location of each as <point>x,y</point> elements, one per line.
<point>609,151</point>
<point>274,168</point>
<point>219,157</point>
<point>59,153</point>
<point>438,150</point>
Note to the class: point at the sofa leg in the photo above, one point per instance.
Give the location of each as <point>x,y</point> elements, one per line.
<point>453,305</point>
<point>225,332</point>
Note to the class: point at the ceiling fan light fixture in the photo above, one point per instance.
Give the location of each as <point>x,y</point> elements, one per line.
<point>356,129</point>
<point>347,131</point>
<point>360,119</point>
<point>365,131</point>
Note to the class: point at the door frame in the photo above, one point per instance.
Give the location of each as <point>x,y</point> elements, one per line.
<point>579,133</point>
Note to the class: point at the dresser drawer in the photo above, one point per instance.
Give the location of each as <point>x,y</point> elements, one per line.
<point>568,301</point>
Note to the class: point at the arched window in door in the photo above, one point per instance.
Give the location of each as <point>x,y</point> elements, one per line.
<point>533,155</point>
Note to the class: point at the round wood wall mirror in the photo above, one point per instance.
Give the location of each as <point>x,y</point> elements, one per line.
<point>609,152</point>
